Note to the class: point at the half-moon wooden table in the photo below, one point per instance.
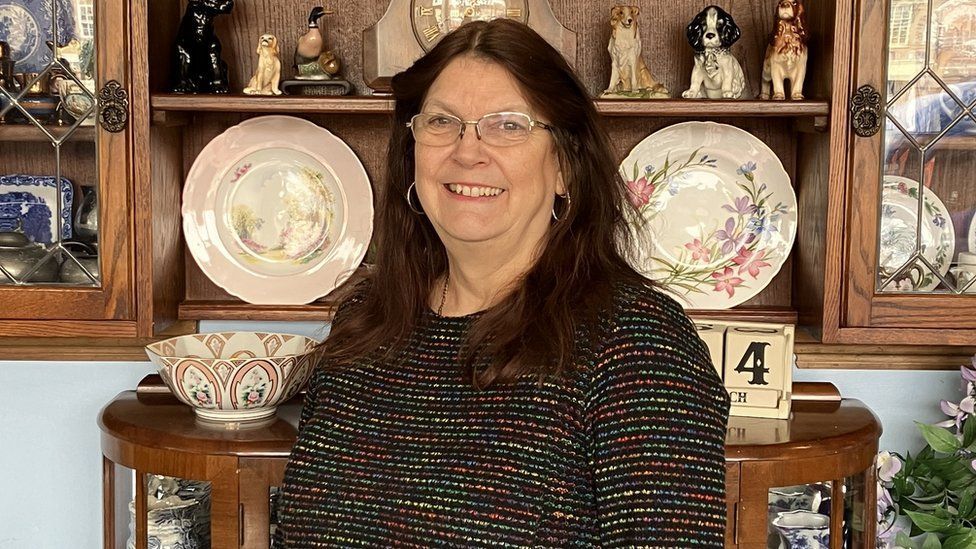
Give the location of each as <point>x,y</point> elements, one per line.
<point>152,433</point>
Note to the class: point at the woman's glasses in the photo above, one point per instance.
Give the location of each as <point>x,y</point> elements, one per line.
<point>499,129</point>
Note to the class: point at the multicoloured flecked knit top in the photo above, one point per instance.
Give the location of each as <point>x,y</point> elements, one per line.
<point>628,451</point>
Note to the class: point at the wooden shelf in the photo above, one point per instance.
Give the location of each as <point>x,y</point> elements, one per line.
<point>777,315</point>
<point>711,107</point>
<point>237,310</point>
<point>307,104</point>
<point>384,105</point>
<point>323,311</point>
<point>27,132</point>
<point>955,143</point>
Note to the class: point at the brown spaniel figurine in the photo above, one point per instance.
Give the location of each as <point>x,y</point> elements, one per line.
<point>786,54</point>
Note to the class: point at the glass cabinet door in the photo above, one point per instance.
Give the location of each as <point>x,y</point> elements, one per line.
<point>912,175</point>
<point>927,231</point>
<point>65,206</point>
<point>177,514</point>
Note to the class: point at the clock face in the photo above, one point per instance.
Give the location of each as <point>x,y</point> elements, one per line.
<point>432,19</point>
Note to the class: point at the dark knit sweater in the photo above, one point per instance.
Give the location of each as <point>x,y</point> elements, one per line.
<point>629,451</point>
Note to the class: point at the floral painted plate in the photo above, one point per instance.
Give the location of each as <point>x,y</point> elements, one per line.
<point>717,212</point>
<point>972,234</point>
<point>277,210</point>
<point>899,219</point>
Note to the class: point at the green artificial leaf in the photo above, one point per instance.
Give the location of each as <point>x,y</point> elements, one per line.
<point>961,541</point>
<point>902,540</point>
<point>966,503</point>
<point>939,438</point>
<point>927,522</point>
<point>955,530</point>
<point>965,479</point>
<point>969,432</point>
<point>932,542</point>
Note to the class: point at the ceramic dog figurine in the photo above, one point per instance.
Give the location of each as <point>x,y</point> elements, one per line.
<point>267,75</point>
<point>717,74</point>
<point>629,76</point>
<point>199,68</point>
<point>786,54</point>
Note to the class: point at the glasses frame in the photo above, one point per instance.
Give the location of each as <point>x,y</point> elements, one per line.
<point>533,123</point>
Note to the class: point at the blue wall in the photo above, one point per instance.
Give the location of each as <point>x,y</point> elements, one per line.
<point>51,463</point>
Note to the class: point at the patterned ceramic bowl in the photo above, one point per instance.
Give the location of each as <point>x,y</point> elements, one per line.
<point>234,376</point>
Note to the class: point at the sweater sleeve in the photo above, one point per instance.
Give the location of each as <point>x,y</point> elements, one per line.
<point>657,414</point>
<point>318,372</point>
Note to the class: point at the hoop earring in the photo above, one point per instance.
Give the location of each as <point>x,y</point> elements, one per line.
<point>410,204</point>
<point>569,204</point>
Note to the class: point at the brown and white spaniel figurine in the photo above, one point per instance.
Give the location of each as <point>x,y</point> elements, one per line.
<point>786,54</point>
<point>628,73</point>
<point>268,72</point>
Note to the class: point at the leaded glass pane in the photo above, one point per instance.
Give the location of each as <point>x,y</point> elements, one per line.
<point>49,175</point>
<point>927,231</point>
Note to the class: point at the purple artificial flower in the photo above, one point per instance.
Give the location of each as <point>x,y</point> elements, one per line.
<point>888,466</point>
<point>969,374</point>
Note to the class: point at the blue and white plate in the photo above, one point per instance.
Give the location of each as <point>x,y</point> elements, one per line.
<point>28,203</point>
<point>26,25</point>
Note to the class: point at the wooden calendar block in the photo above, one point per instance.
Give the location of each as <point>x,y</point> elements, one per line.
<point>713,334</point>
<point>755,362</point>
<point>759,369</point>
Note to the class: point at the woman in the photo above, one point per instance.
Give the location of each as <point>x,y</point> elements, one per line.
<point>503,377</point>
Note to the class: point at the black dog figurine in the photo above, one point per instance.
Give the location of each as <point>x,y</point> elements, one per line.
<point>199,66</point>
<point>716,74</point>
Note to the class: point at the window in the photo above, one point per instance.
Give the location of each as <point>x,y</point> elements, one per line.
<point>901,22</point>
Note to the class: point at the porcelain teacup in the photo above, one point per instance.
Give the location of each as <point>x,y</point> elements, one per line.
<point>803,529</point>
<point>792,498</point>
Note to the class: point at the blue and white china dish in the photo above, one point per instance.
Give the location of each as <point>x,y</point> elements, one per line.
<point>803,530</point>
<point>27,24</point>
<point>28,204</point>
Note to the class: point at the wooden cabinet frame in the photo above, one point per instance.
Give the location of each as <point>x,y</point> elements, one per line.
<point>154,288</point>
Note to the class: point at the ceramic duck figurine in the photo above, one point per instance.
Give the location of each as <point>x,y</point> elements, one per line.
<point>311,61</point>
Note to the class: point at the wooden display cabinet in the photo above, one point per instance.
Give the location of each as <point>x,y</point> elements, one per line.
<point>828,287</point>
<point>150,432</point>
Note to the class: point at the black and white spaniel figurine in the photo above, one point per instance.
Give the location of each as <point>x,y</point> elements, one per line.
<point>717,74</point>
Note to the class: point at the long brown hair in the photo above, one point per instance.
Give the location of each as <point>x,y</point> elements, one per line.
<point>535,328</point>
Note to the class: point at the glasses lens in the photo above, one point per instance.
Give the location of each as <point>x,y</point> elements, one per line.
<point>435,129</point>
<point>505,128</point>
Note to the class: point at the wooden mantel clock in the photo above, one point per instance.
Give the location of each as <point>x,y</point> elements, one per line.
<point>409,28</point>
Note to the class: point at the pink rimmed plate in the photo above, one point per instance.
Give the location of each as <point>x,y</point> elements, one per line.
<point>277,211</point>
<point>716,213</point>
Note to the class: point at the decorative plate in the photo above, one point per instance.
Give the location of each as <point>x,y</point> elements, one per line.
<point>27,203</point>
<point>899,219</point>
<point>26,24</point>
<point>717,213</point>
<point>277,210</point>
<point>972,234</point>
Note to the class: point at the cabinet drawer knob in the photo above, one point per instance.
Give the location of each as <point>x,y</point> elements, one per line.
<point>113,109</point>
<point>866,111</point>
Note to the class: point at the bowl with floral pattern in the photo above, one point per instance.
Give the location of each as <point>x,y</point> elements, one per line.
<point>234,376</point>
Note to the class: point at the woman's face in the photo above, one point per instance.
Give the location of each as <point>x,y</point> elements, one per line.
<point>521,180</point>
